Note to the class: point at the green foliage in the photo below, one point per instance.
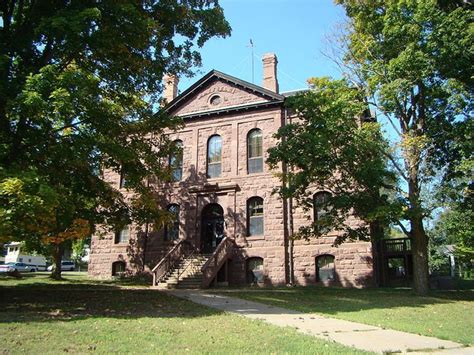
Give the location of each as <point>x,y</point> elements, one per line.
<point>455,226</point>
<point>79,84</point>
<point>78,248</point>
<point>414,60</point>
<point>330,146</point>
<point>27,206</point>
<point>455,194</point>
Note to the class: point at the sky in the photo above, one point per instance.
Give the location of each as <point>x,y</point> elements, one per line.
<point>295,30</point>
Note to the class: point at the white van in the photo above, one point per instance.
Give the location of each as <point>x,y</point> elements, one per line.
<point>66,265</point>
<point>14,255</point>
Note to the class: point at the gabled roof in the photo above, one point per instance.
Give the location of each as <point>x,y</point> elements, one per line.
<point>214,75</point>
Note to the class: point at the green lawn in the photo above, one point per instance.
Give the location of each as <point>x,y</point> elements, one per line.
<point>443,314</point>
<point>78,315</point>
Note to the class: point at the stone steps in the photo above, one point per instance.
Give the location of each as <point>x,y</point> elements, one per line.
<point>191,277</point>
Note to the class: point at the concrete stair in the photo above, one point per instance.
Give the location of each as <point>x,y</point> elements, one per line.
<point>186,274</point>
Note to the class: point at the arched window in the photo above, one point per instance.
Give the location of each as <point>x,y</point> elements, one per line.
<point>123,235</point>
<point>255,216</point>
<point>325,270</point>
<point>254,151</point>
<point>176,161</point>
<point>118,268</point>
<point>321,209</point>
<point>172,229</point>
<point>254,270</point>
<point>214,155</point>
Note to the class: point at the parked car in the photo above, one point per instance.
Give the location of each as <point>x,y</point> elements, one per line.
<point>65,266</point>
<point>20,267</point>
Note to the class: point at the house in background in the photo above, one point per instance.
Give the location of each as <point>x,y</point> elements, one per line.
<point>229,228</point>
<point>14,254</point>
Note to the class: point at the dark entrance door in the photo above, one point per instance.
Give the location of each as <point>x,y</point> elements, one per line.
<point>212,231</point>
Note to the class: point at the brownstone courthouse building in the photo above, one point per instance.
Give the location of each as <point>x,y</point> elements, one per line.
<point>229,228</point>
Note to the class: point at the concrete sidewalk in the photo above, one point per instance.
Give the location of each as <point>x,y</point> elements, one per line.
<point>360,336</point>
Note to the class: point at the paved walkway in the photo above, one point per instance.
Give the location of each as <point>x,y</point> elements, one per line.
<point>360,336</point>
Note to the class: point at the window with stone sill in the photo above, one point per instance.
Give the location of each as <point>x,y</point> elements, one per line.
<point>325,268</point>
<point>255,151</point>
<point>214,156</point>
<point>175,161</point>
<point>321,208</point>
<point>123,235</point>
<point>255,221</point>
<point>172,230</point>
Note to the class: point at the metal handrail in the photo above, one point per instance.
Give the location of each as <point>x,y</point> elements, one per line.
<point>167,255</point>
<point>169,261</point>
<point>190,256</point>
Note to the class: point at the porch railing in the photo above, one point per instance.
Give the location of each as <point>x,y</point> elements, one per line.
<point>181,250</point>
<point>399,245</point>
<point>214,263</point>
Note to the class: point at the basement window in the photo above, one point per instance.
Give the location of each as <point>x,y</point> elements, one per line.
<point>118,268</point>
<point>325,270</point>
<point>254,270</point>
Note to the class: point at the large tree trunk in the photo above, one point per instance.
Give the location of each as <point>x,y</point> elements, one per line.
<point>418,235</point>
<point>420,257</point>
<point>57,257</point>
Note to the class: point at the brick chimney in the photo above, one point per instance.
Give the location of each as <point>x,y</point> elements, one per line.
<point>270,80</point>
<point>170,89</point>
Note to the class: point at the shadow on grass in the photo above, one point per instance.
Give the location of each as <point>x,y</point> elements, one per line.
<point>44,300</point>
<point>36,298</point>
<point>336,300</point>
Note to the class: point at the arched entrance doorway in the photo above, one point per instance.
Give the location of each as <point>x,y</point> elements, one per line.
<point>212,230</point>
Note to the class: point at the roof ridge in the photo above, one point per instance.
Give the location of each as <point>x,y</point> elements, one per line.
<point>218,74</point>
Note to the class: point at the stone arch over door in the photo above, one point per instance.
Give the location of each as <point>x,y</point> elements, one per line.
<point>212,227</point>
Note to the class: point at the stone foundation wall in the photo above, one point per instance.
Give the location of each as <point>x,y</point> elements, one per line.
<point>352,262</point>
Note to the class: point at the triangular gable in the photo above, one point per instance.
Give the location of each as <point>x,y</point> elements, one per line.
<point>233,95</point>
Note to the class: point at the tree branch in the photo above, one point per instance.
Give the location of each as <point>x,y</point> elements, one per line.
<point>395,164</point>
<point>407,233</point>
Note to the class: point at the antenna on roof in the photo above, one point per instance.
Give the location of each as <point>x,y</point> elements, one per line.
<point>252,46</point>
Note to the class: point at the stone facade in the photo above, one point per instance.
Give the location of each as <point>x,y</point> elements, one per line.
<point>240,108</point>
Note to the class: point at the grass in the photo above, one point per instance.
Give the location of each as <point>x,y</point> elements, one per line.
<point>77,315</point>
<point>443,314</point>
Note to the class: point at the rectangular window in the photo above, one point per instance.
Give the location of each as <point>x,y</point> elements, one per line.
<point>214,170</point>
<point>256,225</point>
<point>122,236</point>
<point>214,156</point>
<point>255,165</point>
<point>255,147</point>
<point>255,151</point>
<point>255,216</point>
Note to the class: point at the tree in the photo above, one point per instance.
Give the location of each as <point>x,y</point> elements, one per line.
<point>414,59</point>
<point>80,248</point>
<point>79,84</point>
<point>333,145</point>
<point>456,192</point>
